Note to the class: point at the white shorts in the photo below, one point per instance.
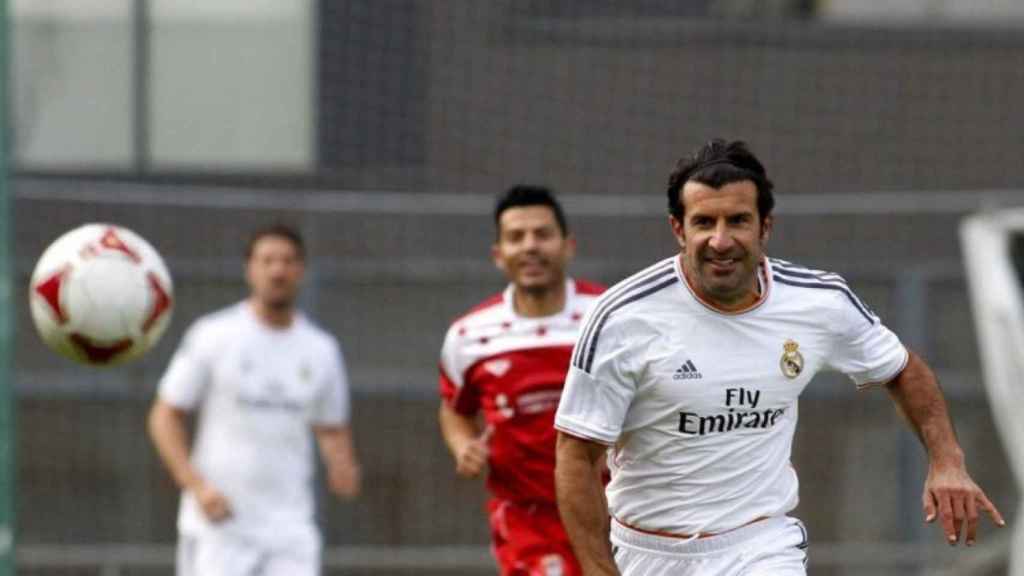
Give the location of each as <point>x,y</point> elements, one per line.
<point>219,553</point>
<point>771,547</point>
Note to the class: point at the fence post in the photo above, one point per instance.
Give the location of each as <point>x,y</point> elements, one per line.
<point>911,310</point>
<point>7,440</point>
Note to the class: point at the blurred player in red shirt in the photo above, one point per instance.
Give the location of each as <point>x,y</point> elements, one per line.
<point>507,358</point>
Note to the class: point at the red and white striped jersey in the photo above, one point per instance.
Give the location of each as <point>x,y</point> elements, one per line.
<point>513,368</point>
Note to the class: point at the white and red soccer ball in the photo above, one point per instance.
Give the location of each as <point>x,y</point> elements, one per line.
<point>101,295</point>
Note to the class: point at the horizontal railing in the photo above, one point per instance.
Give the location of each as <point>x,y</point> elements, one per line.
<point>867,557</point>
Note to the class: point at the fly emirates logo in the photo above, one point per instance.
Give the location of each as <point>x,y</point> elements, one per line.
<point>741,412</point>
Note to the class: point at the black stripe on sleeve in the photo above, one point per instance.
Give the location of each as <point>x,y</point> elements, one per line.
<point>825,286</point>
<point>826,278</point>
<point>614,295</point>
<point>796,271</point>
<point>804,541</point>
<point>805,273</point>
<point>633,297</point>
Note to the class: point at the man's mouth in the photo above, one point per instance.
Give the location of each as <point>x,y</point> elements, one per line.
<point>719,264</point>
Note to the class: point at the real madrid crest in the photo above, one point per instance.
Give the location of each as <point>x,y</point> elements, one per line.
<point>792,361</point>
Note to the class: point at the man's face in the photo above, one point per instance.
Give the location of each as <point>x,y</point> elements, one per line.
<point>274,272</point>
<point>722,241</point>
<point>531,249</point>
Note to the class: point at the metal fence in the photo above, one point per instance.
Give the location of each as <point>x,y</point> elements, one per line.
<point>382,129</point>
<point>92,494</point>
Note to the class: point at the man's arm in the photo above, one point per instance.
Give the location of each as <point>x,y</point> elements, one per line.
<point>467,444</point>
<point>168,431</point>
<point>581,503</point>
<point>464,440</point>
<point>949,491</point>
<point>339,456</point>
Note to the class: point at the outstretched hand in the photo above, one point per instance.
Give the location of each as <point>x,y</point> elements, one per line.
<point>952,496</point>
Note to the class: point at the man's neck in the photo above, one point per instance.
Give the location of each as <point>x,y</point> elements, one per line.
<point>273,317</point>
<point>751,296</point>
<point>534,304</point>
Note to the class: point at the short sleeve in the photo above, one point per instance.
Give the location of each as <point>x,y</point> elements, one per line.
<point>452,386</point>
<point>187,376</point>
<point>598,389</point>
<point>865,349</point>
<point>333,407</point>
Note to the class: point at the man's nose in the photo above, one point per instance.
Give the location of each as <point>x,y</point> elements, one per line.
<point>721,239</point>
<point>530,242</point>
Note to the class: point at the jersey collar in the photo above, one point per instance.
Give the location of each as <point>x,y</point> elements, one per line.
<point>764,279</point>
<point>508,301</point>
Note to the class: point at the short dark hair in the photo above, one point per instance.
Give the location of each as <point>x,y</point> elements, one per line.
<point>278,230</point>
<point>527,195</point>
<point>716,164</point>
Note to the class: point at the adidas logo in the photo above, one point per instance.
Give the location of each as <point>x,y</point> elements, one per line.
<point>687,372</point>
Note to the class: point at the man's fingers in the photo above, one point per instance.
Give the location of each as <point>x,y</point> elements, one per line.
<point>470,464</point>
<point>959,514</point>
<point>476,461</point>
<point>218,510</point>
<point>953,497</point>
<point>478,449</point>
<point>928,503</point>
<point>477,452</point>
<point>473,460</point>
<point>991,509</point>
<point>223,507</point>
<point>468,470</point>
<point>972,520</point>
<point>345,480</point>
<point>946,515</point>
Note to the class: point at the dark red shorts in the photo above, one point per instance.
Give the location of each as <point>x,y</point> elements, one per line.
<point>528,540</point>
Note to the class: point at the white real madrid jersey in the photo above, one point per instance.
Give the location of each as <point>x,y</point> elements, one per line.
<point>698,405</point>
<point>258,390</point>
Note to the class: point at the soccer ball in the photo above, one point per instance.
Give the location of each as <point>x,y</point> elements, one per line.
<point>101,295</point>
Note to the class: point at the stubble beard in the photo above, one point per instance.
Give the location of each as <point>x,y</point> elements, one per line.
<point>555,280</point>
<point>280,304</point>
<point>540,290</point>
<point>728,290</point>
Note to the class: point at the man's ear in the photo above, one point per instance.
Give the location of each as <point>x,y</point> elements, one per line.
<point>766,228</point>
<point>677,231</point>
<point>496,257</point>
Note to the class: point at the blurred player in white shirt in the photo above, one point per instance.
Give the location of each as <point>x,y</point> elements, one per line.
<point>688,375</point>
<point>265,381</point>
